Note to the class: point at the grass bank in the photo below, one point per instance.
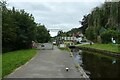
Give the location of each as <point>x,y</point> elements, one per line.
<point>0,65</point>
<point>107,47</point>
<point>13,60</point>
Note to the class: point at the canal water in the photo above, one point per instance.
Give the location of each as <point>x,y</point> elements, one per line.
<point>97,65</point>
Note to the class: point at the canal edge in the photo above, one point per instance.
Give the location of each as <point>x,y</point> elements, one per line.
<point>104,52</point>
<point>78,67</point>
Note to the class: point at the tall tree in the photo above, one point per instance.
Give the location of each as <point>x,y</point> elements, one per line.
<point>105,17</point>
<point>42,34</point>
<point>19,30</point>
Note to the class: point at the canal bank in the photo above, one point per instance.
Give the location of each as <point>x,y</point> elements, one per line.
<point>101,66</point>
<point>78,66</point>
<point>105,49</point>
<point>97,65</point>
<point>104,52</point>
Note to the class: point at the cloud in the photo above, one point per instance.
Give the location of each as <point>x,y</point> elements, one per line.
<point>63,15</point>
<point>57,0</point>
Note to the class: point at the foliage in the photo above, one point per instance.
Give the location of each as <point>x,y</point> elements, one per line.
<point>90,34</point>
<point>0,65</point>
<point>72,31</point>
<point>107,35</point>
<point>84,23</point>
<point>42,34</point>
<point>61,33</point>
<point>13,60</point>
<point>99,22</point>
<point>68,33</point>
<point>19,30</point>
<point>104,17</point>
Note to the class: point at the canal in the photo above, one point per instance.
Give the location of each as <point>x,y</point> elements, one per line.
<point>97,65</point>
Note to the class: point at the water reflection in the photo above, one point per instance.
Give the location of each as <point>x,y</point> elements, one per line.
<point>98,66</point>
<point>77,57</point>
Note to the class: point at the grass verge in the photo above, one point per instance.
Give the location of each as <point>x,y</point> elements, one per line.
<point>107,47</point>
<point>13,60</point>
<point>0,66</point>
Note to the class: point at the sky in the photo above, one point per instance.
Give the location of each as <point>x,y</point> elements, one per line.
<point>57,14</point>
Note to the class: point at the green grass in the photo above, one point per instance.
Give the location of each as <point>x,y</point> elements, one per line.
<point>0,65</point>
<point>107,47</point>
<point>12,60</point>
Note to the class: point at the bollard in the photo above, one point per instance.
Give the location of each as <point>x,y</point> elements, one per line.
<point>90,43</point>
<point>67,69</point>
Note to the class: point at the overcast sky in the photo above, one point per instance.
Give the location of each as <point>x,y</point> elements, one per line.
<point>57,14</point>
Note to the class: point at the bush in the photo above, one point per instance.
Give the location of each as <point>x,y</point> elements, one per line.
<point>118,39</point>
<point>107,35</point>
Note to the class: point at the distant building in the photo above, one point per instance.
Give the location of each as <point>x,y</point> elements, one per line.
<point>79,37</point>
<point>76,37</point>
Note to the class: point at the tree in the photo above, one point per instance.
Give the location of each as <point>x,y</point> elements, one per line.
<point>106,16</point>
<point>8,30</point>
<point>90,34</point>
<point>19,30</point>
<point>84,23</point>
<point>42,34</point>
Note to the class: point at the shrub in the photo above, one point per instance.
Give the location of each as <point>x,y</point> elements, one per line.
<point>107,35</point>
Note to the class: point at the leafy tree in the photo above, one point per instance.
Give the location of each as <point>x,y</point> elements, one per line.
<point>106,16</point>
<point>84,23</point>
<point>90,34</point>
<point>42,34</point>
<point>73,31</point>
<point>19,30</point>
<point>8,30</point>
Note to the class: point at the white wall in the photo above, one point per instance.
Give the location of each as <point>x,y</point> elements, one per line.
<point>45,46</point>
